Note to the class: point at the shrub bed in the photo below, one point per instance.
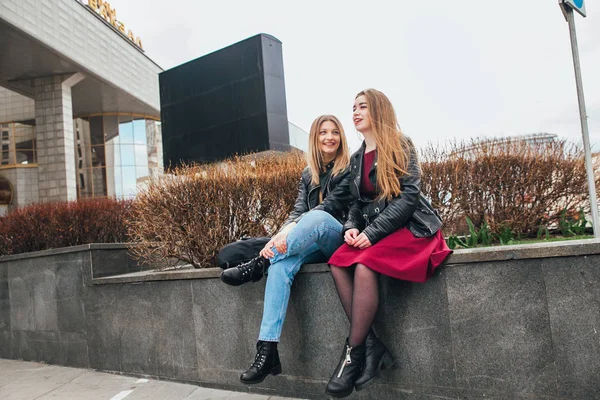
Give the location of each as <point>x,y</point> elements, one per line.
<point>485,191</point>
<point>511,186</point>
<point>191,214</point>
<point>52,225</point>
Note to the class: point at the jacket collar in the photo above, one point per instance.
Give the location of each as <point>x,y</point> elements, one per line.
<point>359,157</point>
<point>329,166</point>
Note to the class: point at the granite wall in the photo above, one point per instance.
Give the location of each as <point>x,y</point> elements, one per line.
<point>505,323</point>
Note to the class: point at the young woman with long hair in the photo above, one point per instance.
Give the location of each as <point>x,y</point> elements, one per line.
<point>391,229</point>
<point>311,233</point>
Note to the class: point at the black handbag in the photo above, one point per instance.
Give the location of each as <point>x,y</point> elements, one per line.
<point>239,252</point>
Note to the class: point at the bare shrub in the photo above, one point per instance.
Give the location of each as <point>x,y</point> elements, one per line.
<point>510,184</point>
<point>192,213</point>
<point>46,226</point>
<point>514,185</point>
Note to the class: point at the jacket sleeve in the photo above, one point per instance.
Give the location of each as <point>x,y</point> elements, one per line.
<point>400,209</point>
<point>337,201</point>
<point>355,219</point>
<point>301,205</point>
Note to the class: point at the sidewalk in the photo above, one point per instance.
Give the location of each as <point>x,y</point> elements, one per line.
<point>20,380</point>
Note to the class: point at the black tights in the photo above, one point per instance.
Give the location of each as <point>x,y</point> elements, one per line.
<point>358,288</point>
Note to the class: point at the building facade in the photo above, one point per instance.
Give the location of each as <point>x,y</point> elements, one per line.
<point>80,107</point>
<point>79,103</point>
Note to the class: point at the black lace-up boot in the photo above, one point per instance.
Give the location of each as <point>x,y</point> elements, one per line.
<point>377,357</point>
<point>265,362</point>
<point>341,383</point>
<point>253,271</point>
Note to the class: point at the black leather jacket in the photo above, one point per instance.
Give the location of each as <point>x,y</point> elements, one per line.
<point>379,218</point>
<point>336,196</point>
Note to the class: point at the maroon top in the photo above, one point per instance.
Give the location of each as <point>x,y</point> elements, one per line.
<point>400,254</point>
<point>366,187</point>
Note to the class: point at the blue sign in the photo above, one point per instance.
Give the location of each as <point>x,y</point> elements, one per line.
<point>577,5</point>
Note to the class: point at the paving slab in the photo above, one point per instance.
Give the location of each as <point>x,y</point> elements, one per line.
<point>21,380</point>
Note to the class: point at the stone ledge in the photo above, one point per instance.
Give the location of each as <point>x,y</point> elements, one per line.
<point>565,248</point>
<point>463,256</point>
<point>66,250</point>
<point>184,272</point>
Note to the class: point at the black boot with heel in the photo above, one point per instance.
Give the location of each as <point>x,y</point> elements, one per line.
<point>265,362</point>
<point>377,357</point>
<point>341,383</point>
<point>252,270</point>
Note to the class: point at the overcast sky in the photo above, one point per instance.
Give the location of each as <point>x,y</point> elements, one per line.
<point>453,69</point>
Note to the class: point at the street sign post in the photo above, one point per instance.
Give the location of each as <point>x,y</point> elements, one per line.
<point>567,7</point>
<point>577,5</point>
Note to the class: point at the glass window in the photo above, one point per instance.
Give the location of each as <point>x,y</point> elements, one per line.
<point>98,156</point>
<point>111,128</point>
<point>25,157</point>
<point>127,155</point>
<point>4,138</point>
<point>126,129</point>
<point>117,152</point>
<point>99,182</point>
<point>129,182</point>
<point>5,158</point>
<point>141,172</point>
<point>139,131</point>
<point>141,156</point>
<point>24,144</point>
<point>118,175</point>
<point>113,159</point>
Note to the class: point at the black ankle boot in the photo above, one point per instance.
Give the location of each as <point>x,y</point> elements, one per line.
<point>265,362</point>
<point>341,383</point>
<point>253,271</point>
<point>377,357</point>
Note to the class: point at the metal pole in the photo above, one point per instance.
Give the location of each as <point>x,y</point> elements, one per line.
<point>584,124</point>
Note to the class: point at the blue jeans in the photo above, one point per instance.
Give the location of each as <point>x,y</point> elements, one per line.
<point>314,239</point>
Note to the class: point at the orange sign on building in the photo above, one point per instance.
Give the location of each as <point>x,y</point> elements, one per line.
<point>104,9</point>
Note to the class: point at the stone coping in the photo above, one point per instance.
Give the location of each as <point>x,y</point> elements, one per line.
<point>66,250</point>
<point>463,256</point>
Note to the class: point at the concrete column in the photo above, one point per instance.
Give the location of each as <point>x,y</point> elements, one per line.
<point>55,138</point>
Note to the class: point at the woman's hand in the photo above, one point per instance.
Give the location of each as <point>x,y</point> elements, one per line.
<point>278,241</point>
<point>266,252</point>
<point>350,236</point>
<point>362,241</point>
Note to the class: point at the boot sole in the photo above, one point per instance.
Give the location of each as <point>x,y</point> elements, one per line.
<point>386,362</point>
<point>339,395</point>
<point>276,370</point>
<point>235,282</point>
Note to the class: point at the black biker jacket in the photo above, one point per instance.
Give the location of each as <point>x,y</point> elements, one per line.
<point>336,196</point>
<point>379,218</point>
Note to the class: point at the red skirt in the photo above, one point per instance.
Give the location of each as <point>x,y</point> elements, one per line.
<point>399,255</point>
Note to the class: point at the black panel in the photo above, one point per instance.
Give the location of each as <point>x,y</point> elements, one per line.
<point>228,102</point>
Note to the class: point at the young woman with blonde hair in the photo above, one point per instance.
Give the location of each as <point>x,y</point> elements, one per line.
<point>311,233</point>
<point>391,229</point>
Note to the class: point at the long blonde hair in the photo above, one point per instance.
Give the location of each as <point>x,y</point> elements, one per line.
<point>314,157</point>
<point>392,146</point>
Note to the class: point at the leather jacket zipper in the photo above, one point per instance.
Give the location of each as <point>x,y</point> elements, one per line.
<point>308,197</point>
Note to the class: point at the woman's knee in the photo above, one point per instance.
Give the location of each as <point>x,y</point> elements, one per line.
<point>317,216</point>
<point>362,271</point>
<point>281,272</point>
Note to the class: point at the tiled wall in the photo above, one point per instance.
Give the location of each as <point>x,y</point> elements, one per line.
<point>70,28</point>
<point>24,182</point>
<point>55,142</point>
<point>15,107</point>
